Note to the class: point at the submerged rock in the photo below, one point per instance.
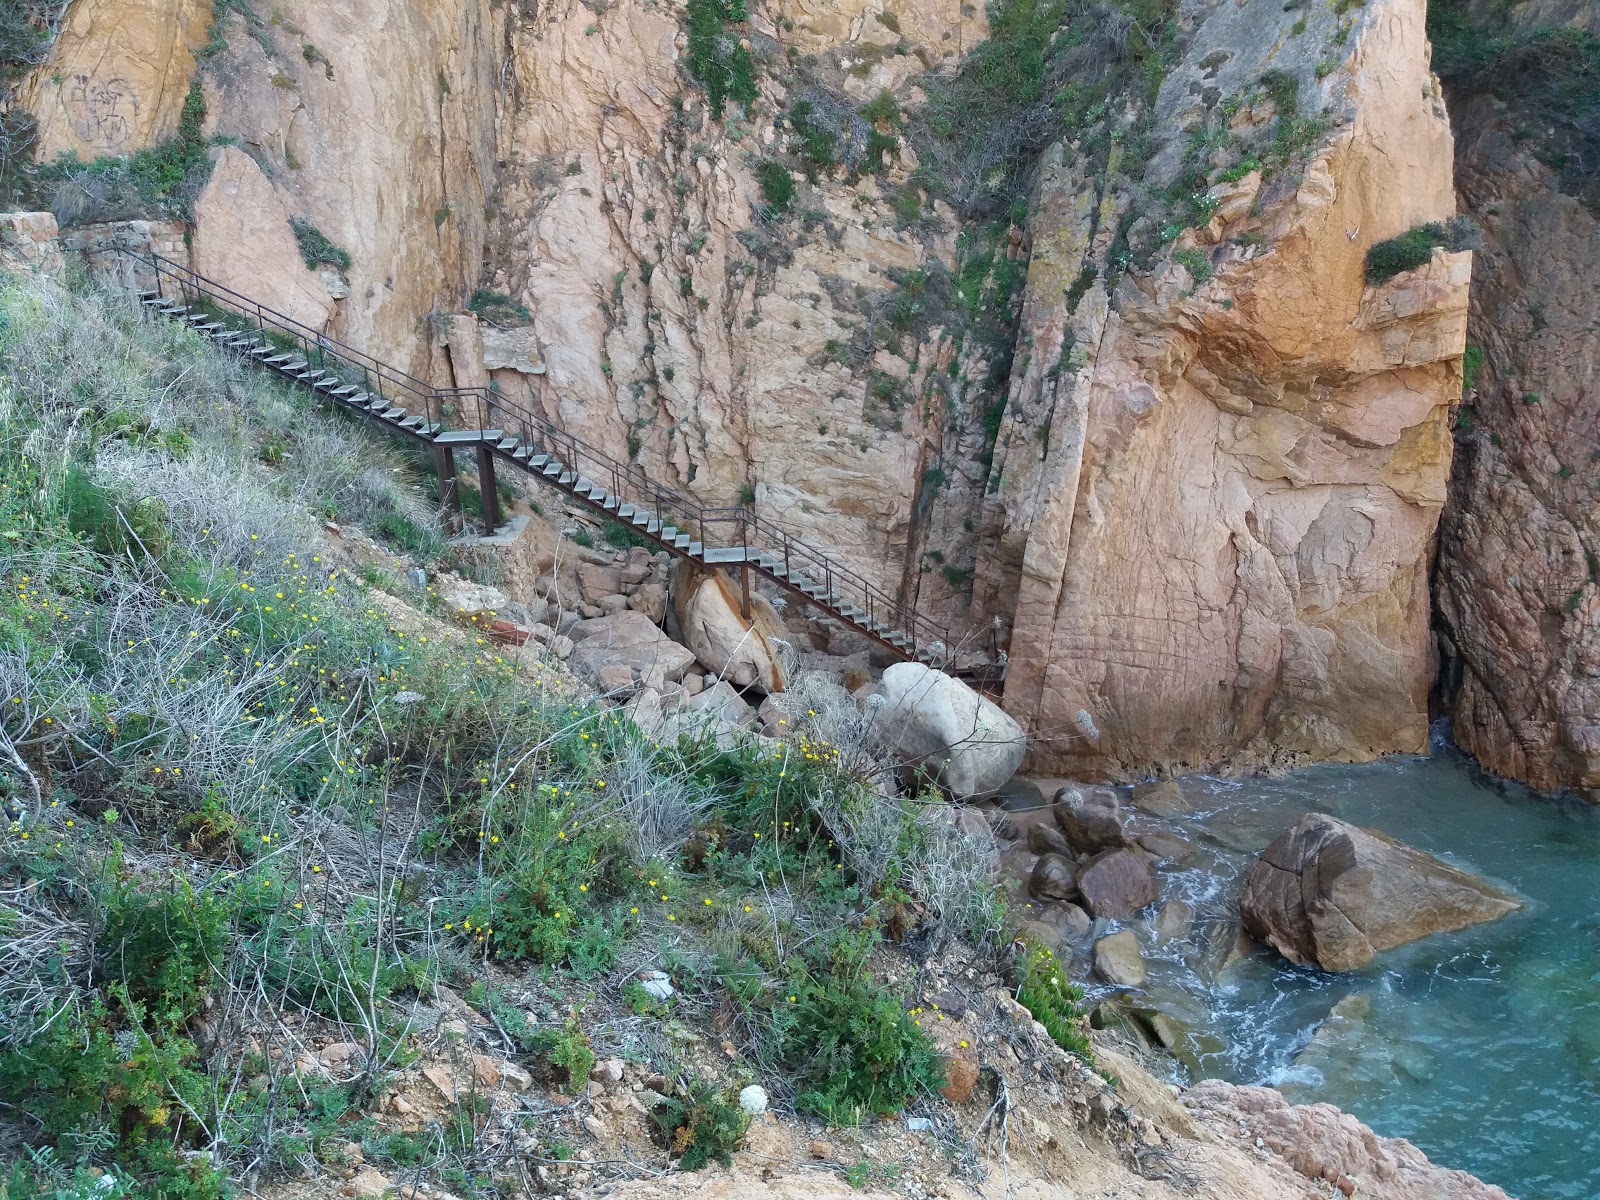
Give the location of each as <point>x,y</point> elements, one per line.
<point>1331,894</point>
<point>1163,797</point>
<point>1174,920</point>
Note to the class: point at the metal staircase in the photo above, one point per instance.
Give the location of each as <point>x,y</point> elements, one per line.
<point>495,429</point>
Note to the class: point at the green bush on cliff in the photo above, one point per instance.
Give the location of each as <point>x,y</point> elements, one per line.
<point>1414,247</point>
<point>715,56</point>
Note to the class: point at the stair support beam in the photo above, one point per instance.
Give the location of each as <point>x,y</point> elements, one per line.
<point>491,497</point>
<point>444,462</point>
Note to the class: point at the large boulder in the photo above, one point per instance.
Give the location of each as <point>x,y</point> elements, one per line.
<point>940,725</point>
<point>1117,884</point>
<point>1331,894</point>
<point>629,639</point>
<point>1092,819</point>
<point>706,616</point>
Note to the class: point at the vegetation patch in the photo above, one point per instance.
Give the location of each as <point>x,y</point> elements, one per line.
<point>164,178</point>
<point>717,59</point>
<point>1414,248</point>
<point>316,248</point>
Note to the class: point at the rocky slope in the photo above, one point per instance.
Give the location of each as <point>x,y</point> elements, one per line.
<point>1519,554</point>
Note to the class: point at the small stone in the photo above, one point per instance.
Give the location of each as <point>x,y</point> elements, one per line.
<point>1346,1185</point>
<point>608,1071</point>
<point>597,1128</point>
<point>418,577</point>
<point>485,1070</point>
<point>657,987</point>
<point>441,1079</point>
<point>753,1100</point>
<point>821,1149</point>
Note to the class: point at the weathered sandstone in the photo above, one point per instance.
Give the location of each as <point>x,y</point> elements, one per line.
<point>1332,895</point>
<point>242,240</point>
<point>1223,546</point>
<point>1519,554</point>
<point>116,77</point>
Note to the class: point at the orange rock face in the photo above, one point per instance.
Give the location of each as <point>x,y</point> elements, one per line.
<point>1219,493</point>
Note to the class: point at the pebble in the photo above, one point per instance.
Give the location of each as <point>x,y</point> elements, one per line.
<point>821,1149</point>
<point>753,1100</point>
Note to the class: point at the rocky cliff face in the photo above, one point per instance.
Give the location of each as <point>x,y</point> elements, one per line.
<point>1519,563</point>
<point>663,305</point>
<point>1221,477</point>
<point>1190,472</point>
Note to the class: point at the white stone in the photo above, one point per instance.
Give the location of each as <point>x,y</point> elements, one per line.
<point>940,725</point>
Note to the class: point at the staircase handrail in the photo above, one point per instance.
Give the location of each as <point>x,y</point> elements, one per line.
<point>488,410</point>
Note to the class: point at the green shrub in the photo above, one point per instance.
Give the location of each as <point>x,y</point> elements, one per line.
<point>1044,990</point>
<point>624,536</point>
<point>1196,262</point>
<point>882,108</point>
<point>95,1084</point>
<point>811,139</point>
<point>704,1126</point>
<point>316,248</point>
<point>855,1047</point>
<point>115,529</point>
<point>1412,249</point>
<point>1471,364</point>
<point>566,1049</point>
<point>777,188</point>
<point>715,57</point>
<point>162,948</point>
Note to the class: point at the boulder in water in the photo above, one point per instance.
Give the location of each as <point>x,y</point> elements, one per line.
<point>1117,959</point>
<point>1117,884</point>
<point>1052,878</point>
<point>1331,894</point>
<point>1092,819</point>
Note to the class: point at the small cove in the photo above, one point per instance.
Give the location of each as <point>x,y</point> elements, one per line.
<point>1481,1046</point>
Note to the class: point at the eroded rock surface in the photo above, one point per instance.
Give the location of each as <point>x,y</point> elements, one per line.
<point>1330,894</point>
<point>1217,517</point>
<point>116,77</point>
<point>1321,1142</point>
<point>1519,549</point>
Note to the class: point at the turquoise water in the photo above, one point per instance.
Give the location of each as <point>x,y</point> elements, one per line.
<point>1480,1046</point>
